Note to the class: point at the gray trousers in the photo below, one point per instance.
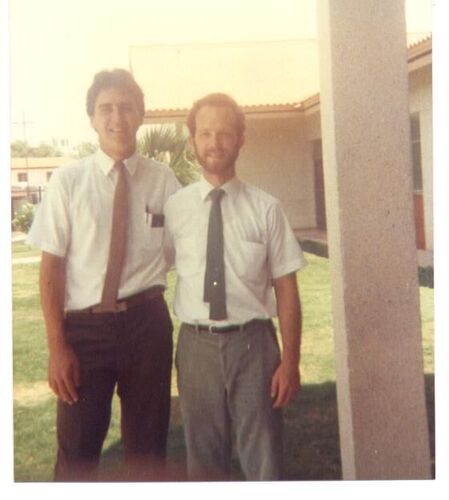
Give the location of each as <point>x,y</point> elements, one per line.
<point>224,385</point>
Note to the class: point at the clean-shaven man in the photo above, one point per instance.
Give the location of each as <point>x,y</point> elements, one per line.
<point>100,228</point>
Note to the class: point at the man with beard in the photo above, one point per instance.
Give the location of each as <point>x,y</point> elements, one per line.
<point>233,246</point>
<point>100,228</point>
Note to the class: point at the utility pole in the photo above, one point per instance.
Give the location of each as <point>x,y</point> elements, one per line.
<point>24,124</point>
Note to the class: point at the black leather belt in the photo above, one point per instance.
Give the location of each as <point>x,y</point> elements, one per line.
<point>121,305</point>
<point>226,329</point>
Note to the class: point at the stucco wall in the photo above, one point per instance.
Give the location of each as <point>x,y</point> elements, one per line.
<point>313,125</point>
<point>420,101</point>
<point>275,158</point>
<point>36,177</point>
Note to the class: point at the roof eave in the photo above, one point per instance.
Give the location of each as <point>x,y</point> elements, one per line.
<point>159,116</point>
<point>419,55</point>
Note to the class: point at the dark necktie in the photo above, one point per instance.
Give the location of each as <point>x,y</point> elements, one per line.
<point>117,245</point>
<point>214,280</point>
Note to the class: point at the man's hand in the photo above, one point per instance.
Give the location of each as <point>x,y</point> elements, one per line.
<point>63,365</point>
<point>64,373</point>
<point>284,384</point>
<point>286,379</point>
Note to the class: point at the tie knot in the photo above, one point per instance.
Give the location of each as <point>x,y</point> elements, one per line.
<point>119,165</point>
<point>216,195</point>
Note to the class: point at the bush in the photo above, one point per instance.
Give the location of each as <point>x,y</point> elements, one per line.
<point>23,218</point>
<point>166,145</point>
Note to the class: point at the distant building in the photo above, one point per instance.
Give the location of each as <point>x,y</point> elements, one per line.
<point>29,176</point>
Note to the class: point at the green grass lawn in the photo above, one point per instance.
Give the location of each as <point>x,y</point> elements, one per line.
<point>311,426</point>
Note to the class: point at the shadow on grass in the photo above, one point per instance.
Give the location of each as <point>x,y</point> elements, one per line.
<point>311,441</point>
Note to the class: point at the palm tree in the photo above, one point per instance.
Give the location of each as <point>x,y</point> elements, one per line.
<point>166,144</point>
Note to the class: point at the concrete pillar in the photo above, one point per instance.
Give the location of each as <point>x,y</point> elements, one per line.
<point>367,161</point>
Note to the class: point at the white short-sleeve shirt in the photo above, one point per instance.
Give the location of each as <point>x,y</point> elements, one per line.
<point>74,221</point>
<point>259,247</point>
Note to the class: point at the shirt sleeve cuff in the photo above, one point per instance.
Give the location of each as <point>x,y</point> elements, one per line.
<point>45,247</point>
<point>290,267</point>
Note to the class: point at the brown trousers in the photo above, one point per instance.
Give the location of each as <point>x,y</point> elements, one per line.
<point>133,351</point>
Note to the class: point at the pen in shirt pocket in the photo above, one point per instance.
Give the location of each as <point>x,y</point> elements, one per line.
<point>147,213</point>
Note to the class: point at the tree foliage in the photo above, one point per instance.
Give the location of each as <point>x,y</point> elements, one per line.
<point>165,144</point>
<point>85,149</point>
<point>20,149</point>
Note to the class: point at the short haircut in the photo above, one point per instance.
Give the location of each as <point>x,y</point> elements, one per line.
<point>118,78</point>
<point>217,100</point>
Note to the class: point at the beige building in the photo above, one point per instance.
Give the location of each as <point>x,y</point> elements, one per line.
<point>282,152</point>
<point>29,177</point>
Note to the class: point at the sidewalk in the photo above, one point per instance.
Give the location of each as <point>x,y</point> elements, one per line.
<point>25,260</point>
<point>18,236</point>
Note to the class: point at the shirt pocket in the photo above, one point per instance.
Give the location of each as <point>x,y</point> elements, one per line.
<point>188,256</point>
<point>153,235</point>
<point>251,262</point>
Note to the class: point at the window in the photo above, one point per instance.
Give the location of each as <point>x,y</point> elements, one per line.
<point>416,151</point>
<point>22,177</point>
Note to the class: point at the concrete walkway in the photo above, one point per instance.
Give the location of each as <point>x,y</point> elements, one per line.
<point>425,257</point>
<point>18,236</point>
<point>26,260</point>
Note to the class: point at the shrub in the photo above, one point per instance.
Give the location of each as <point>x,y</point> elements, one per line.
<point>23,218</point>
<point>165,144</point>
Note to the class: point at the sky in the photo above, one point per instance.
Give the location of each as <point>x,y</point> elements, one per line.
<point>57,46</point>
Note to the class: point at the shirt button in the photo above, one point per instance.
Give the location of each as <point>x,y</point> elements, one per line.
<point>215,283</point>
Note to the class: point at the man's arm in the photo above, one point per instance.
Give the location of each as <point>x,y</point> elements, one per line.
<point>63,365</point>
<point>286,379</point>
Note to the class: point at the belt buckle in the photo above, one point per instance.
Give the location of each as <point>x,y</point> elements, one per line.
<point>211,331</point>
<point>120,306</point>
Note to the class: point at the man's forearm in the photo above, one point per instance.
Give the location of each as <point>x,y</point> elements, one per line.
<point>290,320</point>
<point>286,379</point>
<point>52,290</point>
<point>63,366</point>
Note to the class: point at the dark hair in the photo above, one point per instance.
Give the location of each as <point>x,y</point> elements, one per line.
<point>217,100</point>
<point>119,78</point>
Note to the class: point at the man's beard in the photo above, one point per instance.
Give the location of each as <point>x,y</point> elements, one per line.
<point>217,166</point>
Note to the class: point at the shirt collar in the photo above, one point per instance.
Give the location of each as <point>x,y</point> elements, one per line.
<point>106,163</point>
<point>231,188</point>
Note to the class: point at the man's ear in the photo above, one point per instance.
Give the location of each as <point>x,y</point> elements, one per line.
<point>191,142</point>
<point>91,119</point>
<point>241,141</point>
